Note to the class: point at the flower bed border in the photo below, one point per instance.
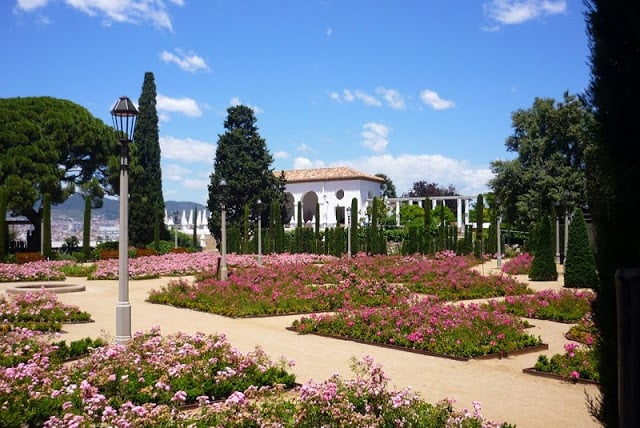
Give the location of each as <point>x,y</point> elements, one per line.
<point>532,371</point>
<point>498,355</point>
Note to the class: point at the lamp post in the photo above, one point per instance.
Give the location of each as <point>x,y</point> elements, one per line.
<point>349,232</point>
<point>124,115</point>
<point>557,206</point>
<point>176,219</point>
<point>499,239</point>
<point>223,232</point>
<point>259,232</point>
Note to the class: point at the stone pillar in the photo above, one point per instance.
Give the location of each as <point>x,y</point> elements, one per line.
<point>466,211</point>
<point>397,213</point>
<point>459,214</point>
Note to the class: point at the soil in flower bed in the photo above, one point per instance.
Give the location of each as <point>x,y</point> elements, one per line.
<point>534,372</point>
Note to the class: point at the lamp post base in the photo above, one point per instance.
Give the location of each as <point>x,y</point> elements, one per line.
<point>123,322</point>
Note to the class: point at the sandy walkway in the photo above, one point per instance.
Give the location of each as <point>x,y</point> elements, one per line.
<point>499,385</point>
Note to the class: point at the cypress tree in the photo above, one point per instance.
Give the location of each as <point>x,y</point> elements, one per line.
<point>86,228</point>
<point>441,232</point>
<point>300,214</point>
<point>477,249</point>
<point>316,238</point>
<point>4,239</point>
<point>353,227</point>
<point>196,244</point>
<point>373,228</point>
<point>46,219</point>
<point>580,263</point>
<point>145,184</point>
<point>428,236</point>
<point>245,231</point>
<point>543,266</point>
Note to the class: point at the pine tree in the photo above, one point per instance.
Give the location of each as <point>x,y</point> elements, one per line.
<point>244,162</point>
<point>146,202</point>
<point>580,263</point>
<point>543,266</point>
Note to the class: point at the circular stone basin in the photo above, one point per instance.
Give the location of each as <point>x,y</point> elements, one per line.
<point>53,288</point>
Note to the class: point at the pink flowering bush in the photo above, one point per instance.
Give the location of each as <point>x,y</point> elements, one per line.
<point>578,362</point>
<point>39,310</point>
<point>171,264</point>
<point>33,271</point>
<point>519,265</point>
<point>584,331</point>
<point>463,331</point>
<point>565,305</point>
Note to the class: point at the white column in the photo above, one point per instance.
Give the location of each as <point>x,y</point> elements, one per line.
<point>433,204</point>
<point>459,214</point>
<point>398,213</point>
<point>466,211</point>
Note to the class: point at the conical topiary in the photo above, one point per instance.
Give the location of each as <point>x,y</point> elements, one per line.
<point>543,266</point>
<point>580,263</point>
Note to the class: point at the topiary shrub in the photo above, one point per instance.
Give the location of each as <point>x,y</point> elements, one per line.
<point>543,266</point>
<point>580,263</point>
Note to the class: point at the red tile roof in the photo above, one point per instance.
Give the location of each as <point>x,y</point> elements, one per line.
<point>327,174</point>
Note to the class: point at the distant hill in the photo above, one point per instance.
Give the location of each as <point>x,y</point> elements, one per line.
<point>73,208</point>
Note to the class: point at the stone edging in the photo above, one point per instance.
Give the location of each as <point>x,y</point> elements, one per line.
<point>534,372</point>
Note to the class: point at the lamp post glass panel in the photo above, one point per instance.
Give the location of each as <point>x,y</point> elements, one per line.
<point>124,115</point>
<point>259,232</point>
<point>223,232</point>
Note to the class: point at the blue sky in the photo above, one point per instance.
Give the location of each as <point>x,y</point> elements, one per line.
<point>417,90</point>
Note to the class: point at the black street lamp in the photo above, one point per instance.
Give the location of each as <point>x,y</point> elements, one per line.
<point>124,115</point>
<point>223,232</point>
<point>259,232</point>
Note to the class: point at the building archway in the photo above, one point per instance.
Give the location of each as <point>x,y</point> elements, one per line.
<point>309,202</point>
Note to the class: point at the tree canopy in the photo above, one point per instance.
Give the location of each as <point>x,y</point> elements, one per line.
<point>244,162</point>
<point>550,139</point>
<point>49,145</point>
<point>421,189</point>
<point>388,189</point>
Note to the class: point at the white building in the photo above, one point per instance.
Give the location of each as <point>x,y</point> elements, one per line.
<point>333,189</point>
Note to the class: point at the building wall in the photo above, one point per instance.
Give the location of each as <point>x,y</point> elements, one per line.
<point>330,194</point>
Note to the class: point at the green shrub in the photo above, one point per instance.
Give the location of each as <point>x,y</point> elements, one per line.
<point>580,263</point>
<point>543,267</point>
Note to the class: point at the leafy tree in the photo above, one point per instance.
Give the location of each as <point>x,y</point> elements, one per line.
<point>612,173</point>
<point>543,266</point>
<point>550,139</point>
<point>387,188</point>
<point>411,214</point>
<point>146,201</point>
<point>580,263</point>
<point>243,160</point>
<point>49,145</point>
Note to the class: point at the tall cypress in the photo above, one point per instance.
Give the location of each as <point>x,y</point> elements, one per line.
<point>543,266</point>
<point>196,244</point>
<point>613,174</point>
<point>580,263</point>
<point>477,249</point>
<point>353,227</point>
<point>428,237</point>
<point>146,201</point>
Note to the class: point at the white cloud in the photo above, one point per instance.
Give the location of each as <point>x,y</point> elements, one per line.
<point>304,163</point>
<point>173,172</point>
<point>186,106</point>
<point>125,11</point>
<point>281,155</point>
<point>29,5</point>
<point>190,62</point>
<point>349,96</point>
<point>194,183</point>
<point>303,147</point>
<point>511,12</point>
<point>235,101</point>
<point>392,97</point>
<point>433,99</point>
<point>329,32</point>
<point>187,150</point>
<point>374,136</point>
<point>406,169</point>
